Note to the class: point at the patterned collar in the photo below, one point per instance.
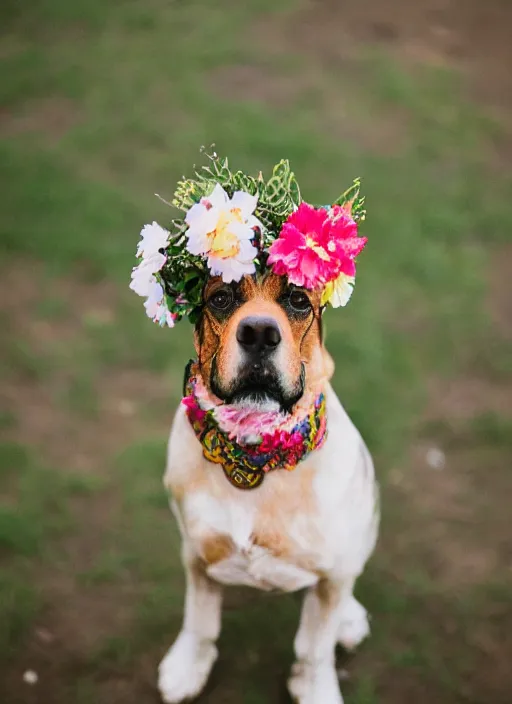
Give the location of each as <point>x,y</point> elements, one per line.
<point>245,465</point>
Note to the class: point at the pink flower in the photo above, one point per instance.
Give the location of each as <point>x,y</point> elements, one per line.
<point>194,412</point>
<point>348,243</point>
<point>315,246</point>
<point>280,440</point>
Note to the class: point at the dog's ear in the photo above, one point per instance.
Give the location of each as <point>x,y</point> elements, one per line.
<point>186,376</point>
<point>328,364</point>
<point>320,324</point>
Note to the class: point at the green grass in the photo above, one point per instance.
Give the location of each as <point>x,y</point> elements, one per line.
<point>365,692</point>
<point>18,606</point>
<point>35,511</point>
<point>107,104</point>
<point>37,505</point>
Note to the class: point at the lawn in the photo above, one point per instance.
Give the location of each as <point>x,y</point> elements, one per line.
<point>106,104</point>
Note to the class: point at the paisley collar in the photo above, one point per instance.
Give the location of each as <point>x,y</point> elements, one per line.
<point>246,464</point>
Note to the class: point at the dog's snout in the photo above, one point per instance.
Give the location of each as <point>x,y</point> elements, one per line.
<point>258,335</point>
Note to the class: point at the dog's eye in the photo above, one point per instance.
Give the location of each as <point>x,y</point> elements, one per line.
<point>222,299</point>
<point>299,301</point>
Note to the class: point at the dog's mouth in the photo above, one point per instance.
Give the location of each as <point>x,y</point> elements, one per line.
<point>260,387</point>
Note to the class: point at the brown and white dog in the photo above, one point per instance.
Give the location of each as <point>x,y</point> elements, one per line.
<point>259,345</point>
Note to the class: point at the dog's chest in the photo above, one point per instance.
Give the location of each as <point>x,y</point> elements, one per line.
<point>270,538</point>
<point>254,566</point>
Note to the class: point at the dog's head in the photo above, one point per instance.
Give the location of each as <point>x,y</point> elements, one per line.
<point>259,342</point>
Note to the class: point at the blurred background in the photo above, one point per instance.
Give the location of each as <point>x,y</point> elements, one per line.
<point>105,103</point>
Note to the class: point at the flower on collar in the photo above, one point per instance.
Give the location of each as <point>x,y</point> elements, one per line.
<point>221,228</point>
<point>287,441</point>
<point>235,225</point>
<point>281,446</point>
<point>315,246</point>
<point>194,411</point>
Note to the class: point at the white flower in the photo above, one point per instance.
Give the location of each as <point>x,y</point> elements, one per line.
<point>238,265</point>
<point>166,318</point>
<point>220,229</point>
<point>153,238</point>
<point>156,305</point>
<point>143,274</point>
<point>338,292</point>
<point>154,299</point>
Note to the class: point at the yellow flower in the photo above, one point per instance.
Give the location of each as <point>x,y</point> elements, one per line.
<point>224,243</point>
<point>221,229</point>
<point>338,292</point>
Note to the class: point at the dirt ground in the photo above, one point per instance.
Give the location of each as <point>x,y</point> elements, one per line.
<point>460,533</point>
<point>464,34</point>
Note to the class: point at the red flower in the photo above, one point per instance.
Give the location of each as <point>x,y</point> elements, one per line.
<point>193,410</point>
<point>281,440</point>
<point>315,246</point>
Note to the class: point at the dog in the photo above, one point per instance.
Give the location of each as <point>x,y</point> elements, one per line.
<point>260,355</point>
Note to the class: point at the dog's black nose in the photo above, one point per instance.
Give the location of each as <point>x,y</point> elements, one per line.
<point>258,335</point>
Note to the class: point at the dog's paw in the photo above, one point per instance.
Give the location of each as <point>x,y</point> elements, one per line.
<point>183,672</point>
<point>309,684</point>
<point>354,626</point>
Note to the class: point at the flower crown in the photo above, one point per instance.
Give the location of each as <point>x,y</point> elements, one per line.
<point>237,225</point>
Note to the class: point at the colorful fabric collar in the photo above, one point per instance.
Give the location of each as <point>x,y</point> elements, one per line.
<point>245,465</point>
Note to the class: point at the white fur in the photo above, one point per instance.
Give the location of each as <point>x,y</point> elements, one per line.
<point>183,672</point>
<point>332,539</point>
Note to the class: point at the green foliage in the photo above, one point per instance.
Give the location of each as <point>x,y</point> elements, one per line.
<point>277,197</point>
<point>352,201</point>
<point>184,275</point>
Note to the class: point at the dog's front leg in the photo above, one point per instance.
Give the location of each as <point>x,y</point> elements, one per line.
<point>314,679</point>
<point>183,672</point>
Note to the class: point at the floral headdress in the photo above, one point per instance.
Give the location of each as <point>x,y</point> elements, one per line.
<point>236,224</point>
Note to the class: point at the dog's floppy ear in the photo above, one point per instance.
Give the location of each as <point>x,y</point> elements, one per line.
<point>328,364</point>
<point>186,376</point>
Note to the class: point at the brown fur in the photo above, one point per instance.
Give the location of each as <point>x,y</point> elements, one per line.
<point>215,338</point>
<point>217,547</point>
<point>192,481</point>
<point>283,503</point>
<point>328,593</point>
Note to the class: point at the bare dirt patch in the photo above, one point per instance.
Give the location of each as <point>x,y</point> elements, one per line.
<point>51,117</point>
<point>460,514</point>
<point>68,632</point>
<point>463,34</point>
<point>500,290</point>
<point>22,286</point>
<point>466,397</point>
<point>35,400</point>
<point>78,617</point>
<point>250,83</point>
<point>78,443</point>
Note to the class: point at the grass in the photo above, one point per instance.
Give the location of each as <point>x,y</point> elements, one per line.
<point>35,511</point>
<point>106,104</point>
<point>18,606</point>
